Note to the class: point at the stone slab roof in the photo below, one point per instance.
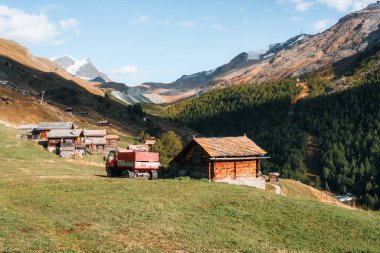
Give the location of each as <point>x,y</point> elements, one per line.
<point>230,146</point>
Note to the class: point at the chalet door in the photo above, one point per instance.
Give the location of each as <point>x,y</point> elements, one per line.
<point>43,135</point>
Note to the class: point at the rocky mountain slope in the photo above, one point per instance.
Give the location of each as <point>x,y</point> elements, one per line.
<point>23,78</point>
<point>19,66</point>
<point>330,50</point>
<point>83,69</point>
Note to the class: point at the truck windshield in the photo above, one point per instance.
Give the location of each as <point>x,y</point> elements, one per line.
<point>111,156</point>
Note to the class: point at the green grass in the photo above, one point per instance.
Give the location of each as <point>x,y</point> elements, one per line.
<point>48,204</point>
<point>127,140</point>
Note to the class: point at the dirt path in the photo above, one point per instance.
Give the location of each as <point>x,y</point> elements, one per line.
<point>327,198</point>
<point>304,93</point>
<point>277,188</point>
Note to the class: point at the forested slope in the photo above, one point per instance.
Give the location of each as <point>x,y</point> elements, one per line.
<point>343,113</point>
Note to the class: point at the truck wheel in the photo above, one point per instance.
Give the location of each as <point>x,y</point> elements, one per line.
<point>128,174</point>
<point>153,175</point>
<point>110,172</point>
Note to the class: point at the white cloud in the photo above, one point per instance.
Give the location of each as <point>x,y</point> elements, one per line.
<point>346,5</point>
<point>338,5</point>
<point>187,24</point>
<point>125,70</point>
<point>217,27</point>
<point>68,24</point>
<point>297,19</point>
<point>140,19</point>
<point>300,5</point>
<point>323,24</point>
<point>245,21</point>
<point>32,28</point>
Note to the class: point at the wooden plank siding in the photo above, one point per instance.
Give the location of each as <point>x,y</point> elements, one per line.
<point>234,169</point>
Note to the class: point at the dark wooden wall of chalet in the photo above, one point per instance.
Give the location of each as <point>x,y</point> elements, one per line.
<point>234,169</point>
<point>187,166</point>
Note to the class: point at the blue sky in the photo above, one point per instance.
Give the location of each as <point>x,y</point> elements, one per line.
<point>139,41</point>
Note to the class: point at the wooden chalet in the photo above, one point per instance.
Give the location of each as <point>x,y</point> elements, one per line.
<point>27,131</point>
<point>273,177</point>
<point>65,142</point>
<point>95,140</point>
<point>27,127</point>
<point>150,143</point>
<point>219,159</point>
<point>112,141</point>
<point>40,132</point>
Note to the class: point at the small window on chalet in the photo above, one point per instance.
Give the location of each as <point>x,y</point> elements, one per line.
<point>197,151</point>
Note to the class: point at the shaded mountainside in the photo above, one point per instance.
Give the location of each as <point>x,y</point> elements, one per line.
<point>25,76</point>
<point>328,51</point>
<point>342,113</point>
<point>11,51</point>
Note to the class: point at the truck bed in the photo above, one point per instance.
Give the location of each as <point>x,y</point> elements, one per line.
<point>138,156</point>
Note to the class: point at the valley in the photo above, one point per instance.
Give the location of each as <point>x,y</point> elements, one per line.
<point>298,119</point>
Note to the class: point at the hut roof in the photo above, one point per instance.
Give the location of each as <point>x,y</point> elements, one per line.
<point>64,133</point>
<point>140,147</point>
<point>230,146</point>
<point>95,133</point>
<point>54,125</point>
<point>96,141</point>
<point>112,137</point>
<point>150,142</point>
<point>26,127</point>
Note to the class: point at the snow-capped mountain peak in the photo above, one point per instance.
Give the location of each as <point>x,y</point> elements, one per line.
<point>256,54</point>
<point>274,49</point>
<point>83,68</point>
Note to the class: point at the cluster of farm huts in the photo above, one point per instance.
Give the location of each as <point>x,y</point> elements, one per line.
<point>220,159</point>
<point>66,140</point>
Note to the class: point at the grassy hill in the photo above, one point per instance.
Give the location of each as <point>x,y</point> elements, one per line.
<point>50,204</point>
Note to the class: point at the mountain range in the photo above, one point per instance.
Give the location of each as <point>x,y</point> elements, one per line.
<point>333,49</point>
<point>330,51</point>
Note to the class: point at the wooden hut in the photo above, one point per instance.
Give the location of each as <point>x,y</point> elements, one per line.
<point>139,147</point>
<point>219,159</point>
<point>65,142</point>
<point>28,131</point>
<point>112,141</point>
<point>150,142</point>
<point>95,140</point>
<point>27,127</point>
<point>104,123</point>
<point>40,132</point>
<point>273,177</point>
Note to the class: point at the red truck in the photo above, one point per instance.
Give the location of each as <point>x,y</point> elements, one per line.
<point>124,163</point>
